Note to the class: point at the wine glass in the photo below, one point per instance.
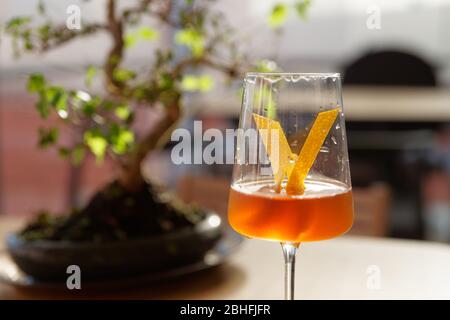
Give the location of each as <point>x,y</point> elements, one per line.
<point>291,178</point>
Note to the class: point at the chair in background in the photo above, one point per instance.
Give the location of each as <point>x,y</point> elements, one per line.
<point>372,205</point>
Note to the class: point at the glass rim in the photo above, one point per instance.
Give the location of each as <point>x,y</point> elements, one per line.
<point>298,74</point>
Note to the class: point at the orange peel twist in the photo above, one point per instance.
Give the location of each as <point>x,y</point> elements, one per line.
<point>308,154</point>
<point>277,147</point>
<point>287,164</point>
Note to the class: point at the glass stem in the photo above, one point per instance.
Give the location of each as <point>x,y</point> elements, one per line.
<point>289,251</point>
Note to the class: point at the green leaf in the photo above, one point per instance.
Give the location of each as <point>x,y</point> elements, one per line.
<point>266,66</point>
<point>147,33</point>
<point>97,144</point>
<point>302,7</point>
<point>64,152</point>
<point>43,107</point>
<point>131,40</point>
<point>140,93</point>
<point>77,155</point>
<point>165,82</point>
<point>90,107</point>
<point>15,23</point>
<point>123,75</point>
<point>47,137</point>
<point>205,83</point>
<point>57,97</point>
<point>108,105</point>
<point>44,32</point>
<point>143,33</point>
<point>192,39</point>
<point>123,112</point>
<point>169,97</point>
<point>28,44</point>
<point>121,139</point>
<point>91,72</point>
<point>202,83</point>
<point>278,16</point>
<point>36,83</point>
<point>189,83</point>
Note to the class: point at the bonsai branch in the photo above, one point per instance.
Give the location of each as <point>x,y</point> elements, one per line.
<point>163,15</point>
<point>115,55</point>
<point>231,70</point>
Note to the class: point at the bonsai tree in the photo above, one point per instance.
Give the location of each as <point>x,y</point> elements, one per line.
<point>129,206</point>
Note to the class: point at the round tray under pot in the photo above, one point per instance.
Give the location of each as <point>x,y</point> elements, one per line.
<point>49,260</point>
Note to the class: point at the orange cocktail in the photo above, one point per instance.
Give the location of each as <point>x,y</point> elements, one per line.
<point>294,122</point>
<point>324,211</point>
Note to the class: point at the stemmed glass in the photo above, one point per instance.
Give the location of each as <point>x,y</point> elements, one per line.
<point>291,178</point>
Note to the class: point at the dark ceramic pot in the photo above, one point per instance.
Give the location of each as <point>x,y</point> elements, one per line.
<point>48,260</point>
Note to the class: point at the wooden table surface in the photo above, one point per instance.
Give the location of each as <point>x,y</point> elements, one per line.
<point>343,268</point>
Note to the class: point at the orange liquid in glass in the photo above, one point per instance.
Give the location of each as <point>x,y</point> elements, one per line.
<point>324,211</point>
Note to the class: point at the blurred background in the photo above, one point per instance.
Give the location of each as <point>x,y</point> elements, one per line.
<point>396,76</point>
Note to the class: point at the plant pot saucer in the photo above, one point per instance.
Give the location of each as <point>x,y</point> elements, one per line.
<point>43,264</point>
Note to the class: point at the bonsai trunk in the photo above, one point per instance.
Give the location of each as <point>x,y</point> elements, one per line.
<point>130,176</point>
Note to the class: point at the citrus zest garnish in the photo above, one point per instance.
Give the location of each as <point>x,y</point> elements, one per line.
<point>281,160</point>
<point>308,154</point>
